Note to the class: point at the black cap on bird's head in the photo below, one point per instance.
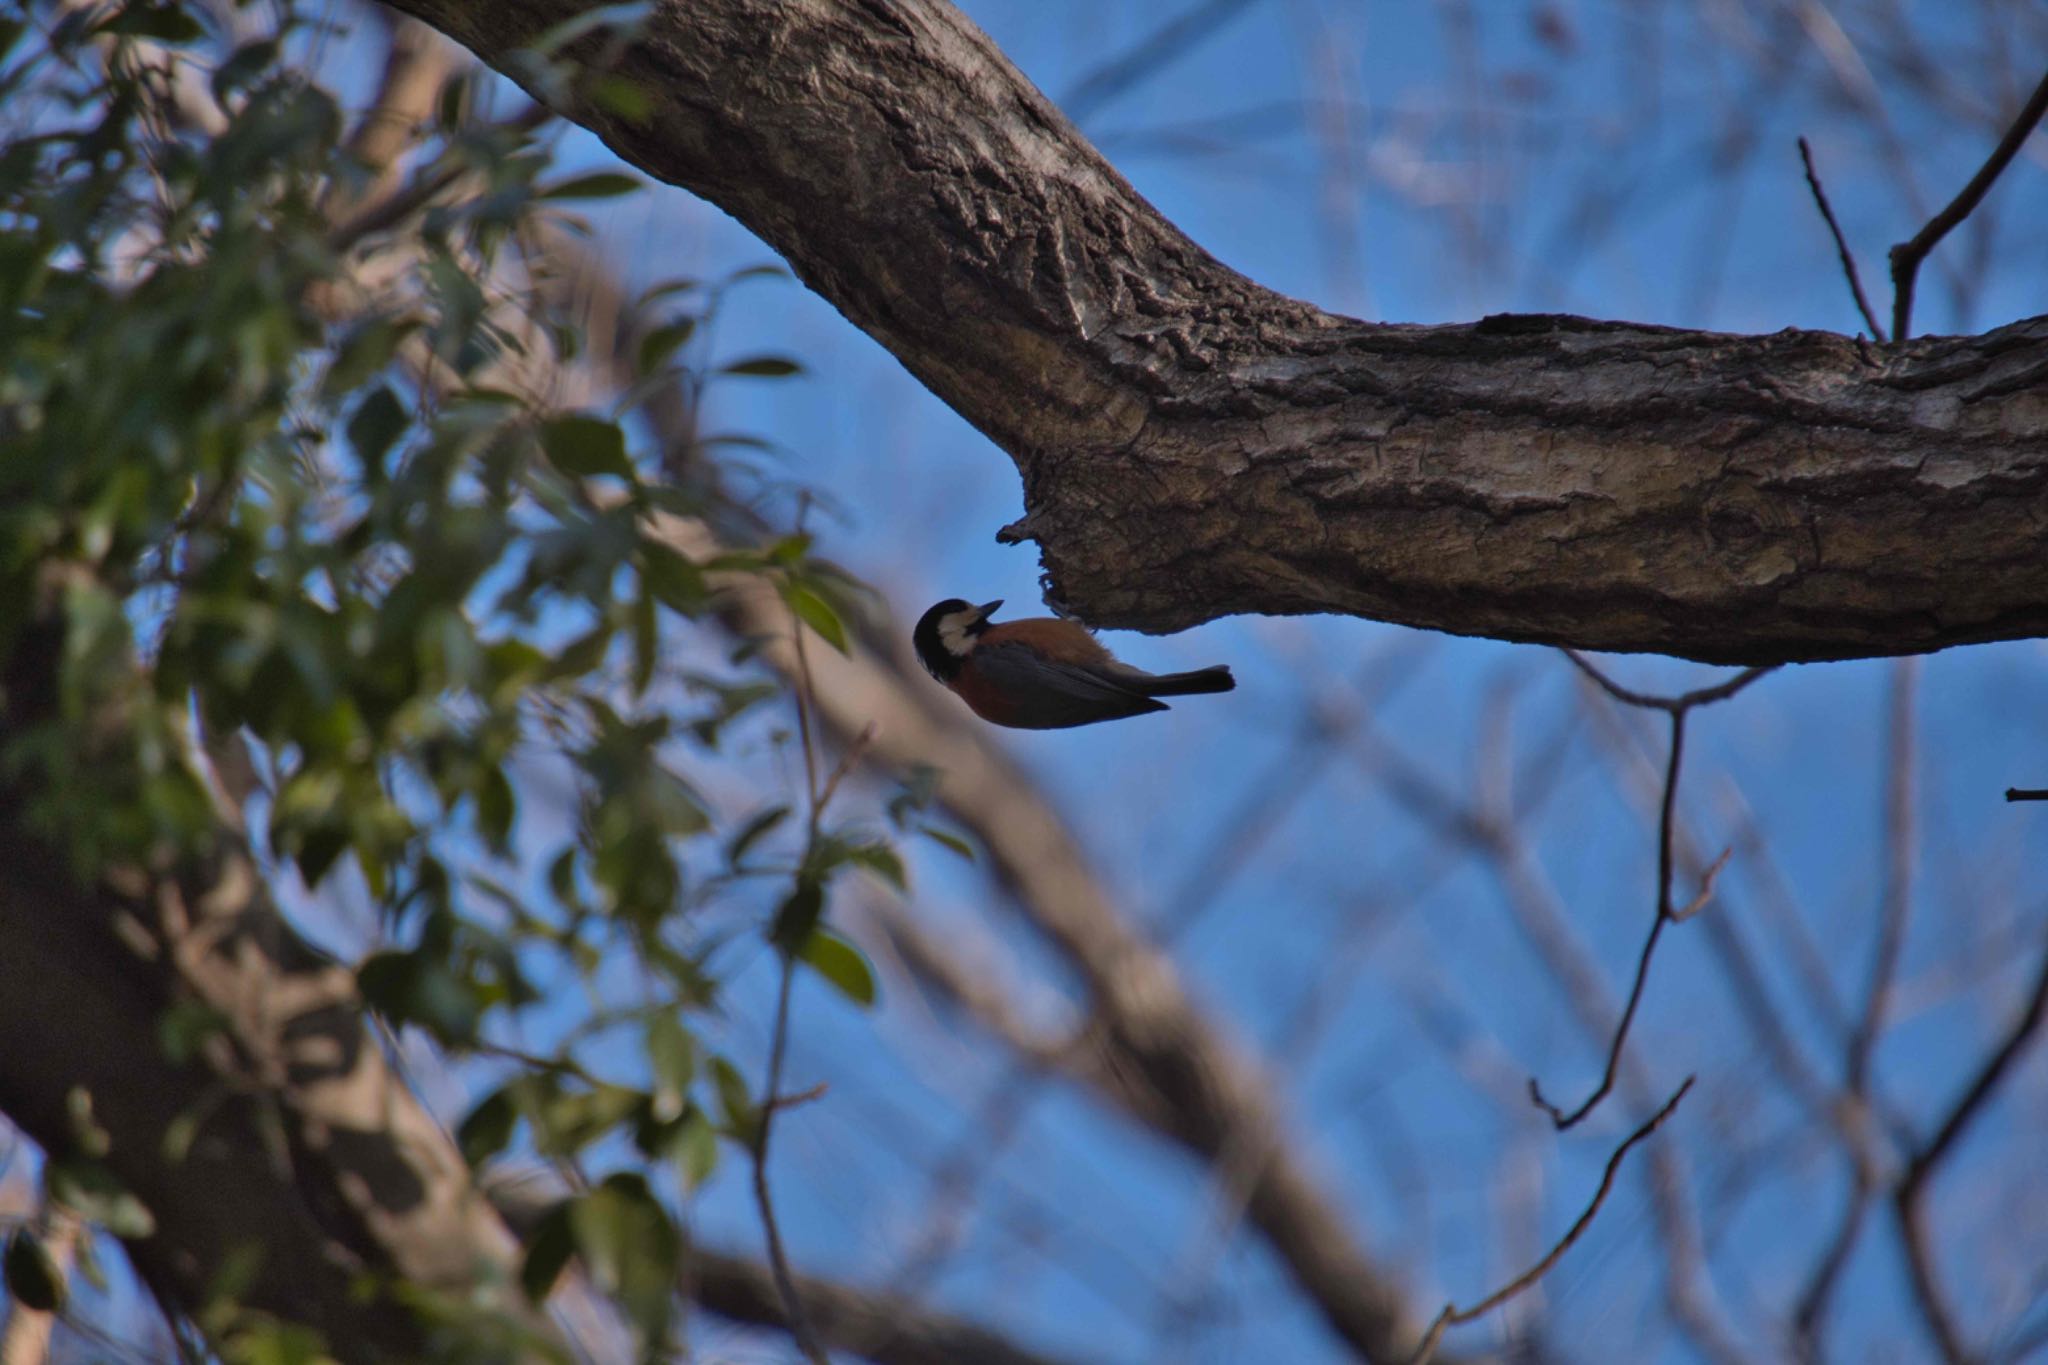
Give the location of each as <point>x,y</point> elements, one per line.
<point>946,633</point>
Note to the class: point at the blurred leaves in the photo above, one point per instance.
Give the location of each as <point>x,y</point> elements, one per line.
<point>31,1275</point>
<point>245,501</point>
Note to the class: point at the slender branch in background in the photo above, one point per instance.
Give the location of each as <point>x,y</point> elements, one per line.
<point>1149,55</point>
<point>778,1047</point>
<point>1676,708</point>
<point>1809,1316</point>
<point>889,1329</point>
<point>1907,255</point>
<point>778,1258</point>
<point>1452,1315</point>
<point>1539,915</point>
<point>1898,840</point>
<point>2026,794</point>
<point>1820,198</point>
<point>1935,1310</point>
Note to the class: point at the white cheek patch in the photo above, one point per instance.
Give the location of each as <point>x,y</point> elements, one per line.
<point>953,631</point>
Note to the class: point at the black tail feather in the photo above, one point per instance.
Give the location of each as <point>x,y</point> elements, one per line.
<point>1215,678</point>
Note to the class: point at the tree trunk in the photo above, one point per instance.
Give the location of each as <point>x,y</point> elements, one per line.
<point>1193,445</point>
<point>308,1167</point>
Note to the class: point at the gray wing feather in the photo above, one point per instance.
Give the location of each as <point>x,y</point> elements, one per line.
<point>1065,694</point>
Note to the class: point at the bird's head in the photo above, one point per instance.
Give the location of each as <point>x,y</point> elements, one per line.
<point>946,634</point>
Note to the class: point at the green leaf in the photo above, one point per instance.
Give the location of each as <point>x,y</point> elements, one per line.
<point>662,342</point>
<point>367,348</point>
<point>763,367</point>
<point>751,833</point>
<point>840,963</point>
<point>947,840</point>
<point>697,1150</point>
<point>92,1192</point>
<point>678,583</point>
<point>626,98</point>
<point>646,642</point>
<point>379,420</point>
<point>32,1277</point>
<point>185,1026</point>
<point>672,1058</point>
<point>495,808</point>
<point>881,860</point>
<point>735,1100</point>
<point>596,185</point>
<point>582,446</point>
<point>798,914</point>
<point>630,1248</point>
<point>164,23</point>
<point>245,68</point>
<point>815,612</point>
<point>488,1129</point>
<point>552,1245</point>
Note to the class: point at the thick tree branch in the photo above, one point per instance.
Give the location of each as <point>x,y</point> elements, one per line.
<point>1193,445</point>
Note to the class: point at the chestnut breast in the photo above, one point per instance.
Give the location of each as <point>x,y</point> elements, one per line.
<point>1054,638</point>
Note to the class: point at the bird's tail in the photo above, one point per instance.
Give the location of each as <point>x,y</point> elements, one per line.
<point>1215,678</point>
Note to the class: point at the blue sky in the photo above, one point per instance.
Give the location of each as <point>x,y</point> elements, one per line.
<point>1422,163</point>
<point>1625,162</point>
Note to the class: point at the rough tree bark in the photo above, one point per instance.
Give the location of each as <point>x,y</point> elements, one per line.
<point>1193,445</point>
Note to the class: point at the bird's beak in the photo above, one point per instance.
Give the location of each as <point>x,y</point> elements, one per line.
<point>988,609</point>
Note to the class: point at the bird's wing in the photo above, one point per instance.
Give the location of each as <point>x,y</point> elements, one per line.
<point>1060,694</point>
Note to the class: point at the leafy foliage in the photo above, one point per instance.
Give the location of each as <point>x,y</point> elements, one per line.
<point>249,506</point>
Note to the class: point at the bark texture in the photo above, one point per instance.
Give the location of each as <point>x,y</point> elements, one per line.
<point>306,1151</point>
<point>1193,445</point>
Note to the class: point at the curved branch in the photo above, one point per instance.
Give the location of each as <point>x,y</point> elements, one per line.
<point>1193,445</point>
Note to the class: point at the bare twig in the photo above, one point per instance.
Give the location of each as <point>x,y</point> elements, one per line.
<point>778,1258</point>
<point>1676,708</point>
<point>1898,836</point>
<point>1907,255</point>
<point>2026,793</point>
<point>1148,55</point>
<point>1664,916</point>
<point>1706,891</point>
<point>1820,198</point>
<point>1684,701</point>
<point>1924,1163</point>
<point>1452,1315</point>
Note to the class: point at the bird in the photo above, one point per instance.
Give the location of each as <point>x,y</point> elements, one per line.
<point>1042,673</point>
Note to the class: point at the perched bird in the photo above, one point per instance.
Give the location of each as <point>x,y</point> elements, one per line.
<point>1042,674</point>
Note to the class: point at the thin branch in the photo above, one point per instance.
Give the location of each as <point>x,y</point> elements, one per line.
<point>1907,256</point>
<point>778,1258</point>
<point>1676,708</point>
<point>1981,1088</point>
<point>1664,916</point>
<point>1896,901</point>
<point>1150,54</point>
<point>1452,1315</point>
<point>2026,793</point>
<point>778,1047</point>
<point>1684,701</point>
<point>1820,198</point>
<point>1935,1310</point>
